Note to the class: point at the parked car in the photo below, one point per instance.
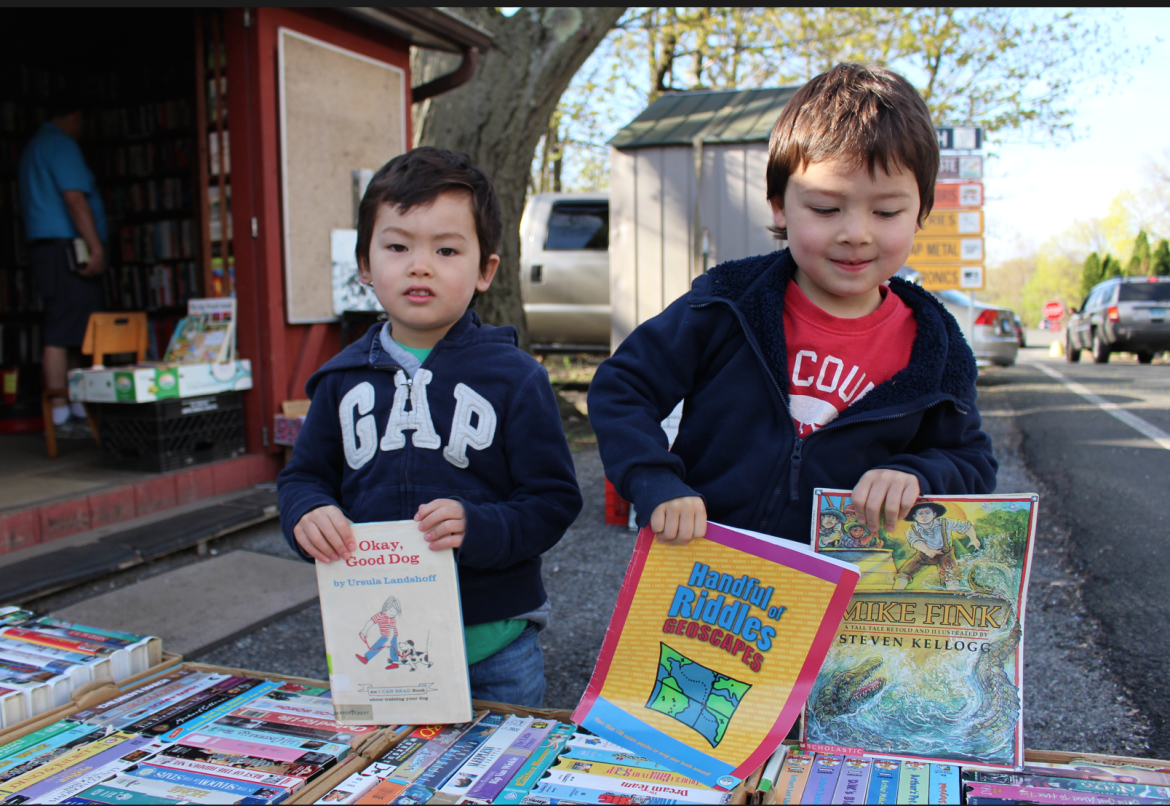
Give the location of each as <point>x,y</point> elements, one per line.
<point>564,269</point>
<point>1021,339</point>
<point>1121,314</point>
<point>990,330</point>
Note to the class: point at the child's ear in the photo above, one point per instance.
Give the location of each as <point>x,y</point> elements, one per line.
<point>487,273</point>
<point>364,271</point>
<point>778,217</point>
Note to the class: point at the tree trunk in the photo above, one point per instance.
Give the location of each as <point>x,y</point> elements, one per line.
<point>500,115</point>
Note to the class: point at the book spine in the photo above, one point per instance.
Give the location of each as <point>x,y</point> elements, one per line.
<point>221,710</point>
<point>47,732</point>
<point>883,781</point>
<point>851,784</point>
<point>453,757</point>
<point>822,779</point>
<point>312,711</point>
<point>328,724</point>
<point>235,761</point>
<point>612,757</point>
<point>63,762</point>
<point>1115,788</point>
<point>289,782</point>
<point>914,782</point>
<point>537,764</point>
<point>290,742</point>
<point>357,785</point>
<point>155,702</point>
<point>505,767</point>
<point>793,777</point>
<point>1030,794</point>
<point>626,773</point>
<point>561,793</point>
<point>88,772</point>
<point>188,708</point>
<point>218,744</point>
<point>279,728</point>
<point>209,783</point>
<point>623,787</point>
<point>32,757</point>
<point>108,793</point>
<point>944,783</point>
<point>485,755</point>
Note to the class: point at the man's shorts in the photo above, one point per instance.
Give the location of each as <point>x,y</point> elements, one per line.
<point>69,298</point>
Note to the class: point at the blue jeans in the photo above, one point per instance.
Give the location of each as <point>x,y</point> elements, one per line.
<point>513,675</point>
<point>377,647</point>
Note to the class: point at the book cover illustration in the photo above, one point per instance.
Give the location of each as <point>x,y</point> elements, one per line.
<point>394,630</point>
<point>928,662</point>
<point>206,335</point>
<point>712,649</point>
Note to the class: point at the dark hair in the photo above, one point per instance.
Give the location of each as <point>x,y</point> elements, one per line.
<point>868,115</point>
<point>64,102</point>
<point>420,176</point>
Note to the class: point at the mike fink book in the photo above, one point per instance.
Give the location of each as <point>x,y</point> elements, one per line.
<point>928,662</point>
<point>394,630</point>
<point>712,649</point>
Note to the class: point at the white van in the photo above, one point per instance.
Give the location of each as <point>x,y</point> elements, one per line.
<point>564,269</point>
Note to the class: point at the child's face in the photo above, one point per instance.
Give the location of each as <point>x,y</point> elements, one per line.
<point>829,521</point>
<point>924,515</point>
<point>848,232</point>
<point>425,265</point>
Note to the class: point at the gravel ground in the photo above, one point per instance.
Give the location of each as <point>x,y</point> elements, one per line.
<point>1072,701</point>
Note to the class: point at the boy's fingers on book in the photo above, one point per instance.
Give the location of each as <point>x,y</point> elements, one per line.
<point>341,529</point>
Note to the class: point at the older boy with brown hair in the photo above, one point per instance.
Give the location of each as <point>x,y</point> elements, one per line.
<point>812,366</point>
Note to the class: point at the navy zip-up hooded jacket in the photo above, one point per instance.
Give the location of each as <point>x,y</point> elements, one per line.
<point>482,427</point>
<point>721,347</point>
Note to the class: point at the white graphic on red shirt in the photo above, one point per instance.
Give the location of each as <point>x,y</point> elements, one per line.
<point>810,413</point>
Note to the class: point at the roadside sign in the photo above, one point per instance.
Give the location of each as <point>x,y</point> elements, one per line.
<point>945,249</point>
<point>953,222</point>
<point>948,196</point>
<point>954,167</point>
<point>941,278</point>
<point>1053,310</point>
<point>961,138</point>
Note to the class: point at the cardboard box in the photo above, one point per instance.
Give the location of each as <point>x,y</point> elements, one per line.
<point>147,383</point>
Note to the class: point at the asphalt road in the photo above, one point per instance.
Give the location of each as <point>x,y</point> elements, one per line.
<point>1106,490</point>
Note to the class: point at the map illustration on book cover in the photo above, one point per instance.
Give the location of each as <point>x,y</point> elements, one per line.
<point>712,649</point>
<point>394,630</point>
<point>928,662</point>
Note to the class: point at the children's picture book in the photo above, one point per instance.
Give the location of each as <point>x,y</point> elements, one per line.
<point>712,649</point>
<point>394,630</point>
<point>928,663</point>
<point>206,335</point>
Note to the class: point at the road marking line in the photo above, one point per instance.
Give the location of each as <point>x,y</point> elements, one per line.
<point>1153,432</point>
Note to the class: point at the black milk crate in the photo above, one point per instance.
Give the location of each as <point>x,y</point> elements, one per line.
<point>170,434</point>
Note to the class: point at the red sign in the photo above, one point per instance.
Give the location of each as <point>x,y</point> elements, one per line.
<point>1053,311</point>
<point>967,194</point>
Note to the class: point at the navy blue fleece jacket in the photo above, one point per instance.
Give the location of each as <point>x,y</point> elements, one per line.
<point>482,428</point>
<point>721,348</point>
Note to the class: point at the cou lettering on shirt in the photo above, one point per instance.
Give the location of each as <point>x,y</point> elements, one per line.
<point>473,424</point>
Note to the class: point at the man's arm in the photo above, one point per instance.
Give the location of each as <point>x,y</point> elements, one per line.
<point>82,215</point>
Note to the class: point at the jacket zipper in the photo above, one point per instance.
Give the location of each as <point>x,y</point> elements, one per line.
<point>798,442</point>
<point>405,461</point>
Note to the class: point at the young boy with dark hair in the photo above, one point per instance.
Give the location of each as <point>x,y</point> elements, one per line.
<point>485,469</point>
<point>812,366</point>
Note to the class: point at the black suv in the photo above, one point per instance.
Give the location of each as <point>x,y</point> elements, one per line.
<point>1121,314</point>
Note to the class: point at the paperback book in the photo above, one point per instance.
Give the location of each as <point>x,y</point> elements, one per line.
<point>928,662</point>
<point>712,649</point>
<point>394,630</point>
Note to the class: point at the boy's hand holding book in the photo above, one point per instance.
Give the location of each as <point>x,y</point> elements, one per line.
<point>678,521</point>
<point>444,522</point>
<point>883,489</point>
<point>325,534</point>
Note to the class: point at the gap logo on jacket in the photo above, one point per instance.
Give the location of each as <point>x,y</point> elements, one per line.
<point>473,425</point>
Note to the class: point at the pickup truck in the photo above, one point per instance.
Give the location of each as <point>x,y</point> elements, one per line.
<point>564,270</point>
<point>1121,314</point>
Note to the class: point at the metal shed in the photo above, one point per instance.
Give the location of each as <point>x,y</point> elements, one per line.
<point>687,191</point>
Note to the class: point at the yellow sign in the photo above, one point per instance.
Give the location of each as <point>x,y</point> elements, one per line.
<point>953,222</point>
<point>945,249</point>
<point>941,278</point>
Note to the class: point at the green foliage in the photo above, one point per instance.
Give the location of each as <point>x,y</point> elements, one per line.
<point>1110,268</point>
<point>1160,262</point>
<point>1013,523</point>
<point>1139,261</point>
<point>1092,275</point>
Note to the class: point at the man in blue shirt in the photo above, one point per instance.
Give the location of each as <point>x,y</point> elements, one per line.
<point>60,202</point>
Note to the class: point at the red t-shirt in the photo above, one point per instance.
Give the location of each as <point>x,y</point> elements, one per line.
<point>833,362</point>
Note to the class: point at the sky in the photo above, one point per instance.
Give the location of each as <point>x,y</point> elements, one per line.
<point>1033,192</point>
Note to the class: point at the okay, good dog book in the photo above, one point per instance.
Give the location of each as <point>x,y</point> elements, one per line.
<point>712,649</point>
<point>394,630</point>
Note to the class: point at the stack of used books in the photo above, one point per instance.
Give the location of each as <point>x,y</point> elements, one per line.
<point>43,660</point>
<point>186,736</point>
<point>507,758</point>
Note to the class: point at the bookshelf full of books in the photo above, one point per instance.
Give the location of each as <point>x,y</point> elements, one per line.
<point>215,164</point>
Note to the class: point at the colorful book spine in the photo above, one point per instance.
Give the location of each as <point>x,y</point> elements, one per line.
<point>883,781</point>
<point>822,778</point>
<point>793,776</point>
<point>1112,788</point>
<point>565,793</point>
<point>306,770</point>
<point>36,737</point>
<point>485,755</point>
<point>104,793</point>
<point>1028,794</point>
<point>454,757</point>
<point>388,790</point>
<point>189,726</point>
<point>313,710</point>
<point>253,793</point>
<point>619,786</point>
<point>136,696</point>
<point>289,782</point>
<point>216,744</point>
<point>189,708</point>
<point>328,724</point>
<point>439,738</point>
<point>492,782</point>
<point>283,729</point>
<point>274,739</point>
<point>32,757</point>
<point>626,773</point>
<point>944,784</point>
<point>63,762</point>
<point>537,764</point>
<point>914,782</point>
<point>90,772</point>
<point>358,784</point>
<point>853,781</point>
